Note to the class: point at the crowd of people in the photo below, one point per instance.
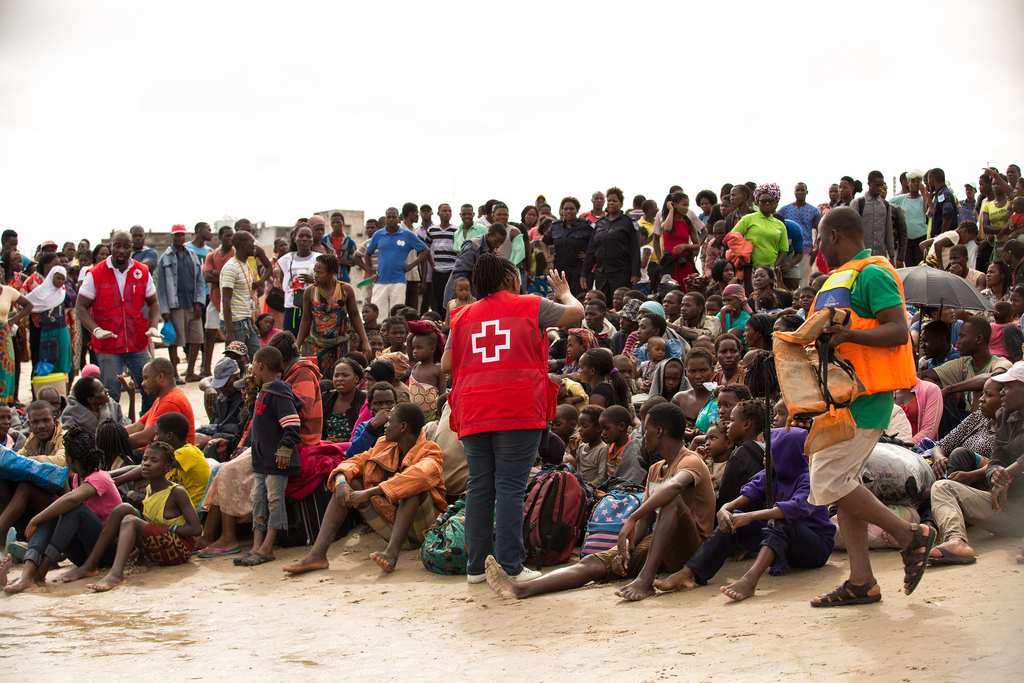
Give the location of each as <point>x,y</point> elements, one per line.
<point>630,347</point>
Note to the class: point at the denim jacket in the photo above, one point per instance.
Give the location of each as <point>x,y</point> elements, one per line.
<point>167,281</point>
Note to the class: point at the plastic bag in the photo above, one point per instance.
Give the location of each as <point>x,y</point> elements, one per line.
<point>17,468</point>
<point>168,333</point>
<point>897,476</point>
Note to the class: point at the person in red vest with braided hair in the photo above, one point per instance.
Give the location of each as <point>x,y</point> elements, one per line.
<point>501,400</point>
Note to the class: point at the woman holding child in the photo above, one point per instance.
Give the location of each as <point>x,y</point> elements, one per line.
<point>501,400</point>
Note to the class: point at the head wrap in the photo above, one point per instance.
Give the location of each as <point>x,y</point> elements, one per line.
<point>425,328</point>
<point>768,188</point>
<point>317,220</point>
<point>588,338</point>
<point>653,307</point>
<point>738,292</point>
<point>46,296</point>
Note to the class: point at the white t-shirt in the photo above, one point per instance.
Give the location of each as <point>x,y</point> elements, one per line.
<point>646,249</point>
<point>292,265</point>
<point>88,288</point>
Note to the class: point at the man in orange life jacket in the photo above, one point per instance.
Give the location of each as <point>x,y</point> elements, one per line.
<point>117,304</point>
<point>877,344</point>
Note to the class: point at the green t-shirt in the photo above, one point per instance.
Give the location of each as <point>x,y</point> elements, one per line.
<point>873,291</point>
<point>768,235</point>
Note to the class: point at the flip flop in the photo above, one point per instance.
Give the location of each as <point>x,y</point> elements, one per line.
<point>243,560</point>
<point>258,559</point>
<point>207,553</point>
<point>950,558</point>
<point>13,547</point>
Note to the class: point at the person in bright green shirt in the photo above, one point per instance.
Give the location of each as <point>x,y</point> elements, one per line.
<point>469,228</point>
<point>836,470</point>
<point>768,233</point>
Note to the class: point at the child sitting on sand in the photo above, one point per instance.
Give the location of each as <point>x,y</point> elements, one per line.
<point>587,452</point>
<point>165,531</point>
<point>463,297</point>
<point>397,487</point>
<point>274,434</point>
<point>71,525</point>
<point>746,425</point>
<point>683,517</point>
<point>791,532</point>
<point>716,450</point>
<point>427,383</point>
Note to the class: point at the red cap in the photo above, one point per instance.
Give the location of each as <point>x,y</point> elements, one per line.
<point>178,228</point>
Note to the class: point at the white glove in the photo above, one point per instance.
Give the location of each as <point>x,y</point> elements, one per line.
<point>100,333</point>
<point>154,333</point>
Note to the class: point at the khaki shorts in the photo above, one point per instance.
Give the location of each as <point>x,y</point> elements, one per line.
<point>835,471</point>
<point>188,330</point>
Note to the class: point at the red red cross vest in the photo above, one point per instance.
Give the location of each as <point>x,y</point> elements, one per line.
<point>122,315</point>
<point>500,366</point>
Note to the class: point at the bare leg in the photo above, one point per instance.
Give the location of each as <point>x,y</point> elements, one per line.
<point>27,580</point>
<point>664,533</point>
<point>172,353</point>
<point>26,497</point>
<point>316,558</point>
<point>190,371</point>
<point>403,523</point>
<point>211,339</point>
<point>258,535</point>
<point>580,574</point>
<point>211,526</point>
<point>130,529</point>
<point>744,588</point>
<point>228,539</point>
<point>111,531</point>
<point>5,567</point>
<point>682,579</point>
<point>266,548</point>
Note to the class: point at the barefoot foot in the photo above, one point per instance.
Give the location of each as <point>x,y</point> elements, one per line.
<point>22,584</point>
<point>740,590</point>
<point>682,579</point>
<point>106,583</point>
<point>499,581</point>
<point>5,567</point>
<point>306,564</point>
<point>384,561</point>
<point>79,573</point>
<point>956,547</point>
<point>635,591</point>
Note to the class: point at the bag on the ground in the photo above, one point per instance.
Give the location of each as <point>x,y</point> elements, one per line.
<point>17,468</point>
<point>554,514</point>
<point>609,515</point>
<point>897,476</point>
<point>444,545</point>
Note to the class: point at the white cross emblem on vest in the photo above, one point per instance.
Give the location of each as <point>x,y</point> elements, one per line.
<point>484,342</point>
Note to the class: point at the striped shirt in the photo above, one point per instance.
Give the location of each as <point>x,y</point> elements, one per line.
<point>442,246</point>
<point>238,278</point>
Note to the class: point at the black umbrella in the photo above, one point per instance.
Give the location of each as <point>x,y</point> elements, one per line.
<point>927,286</point>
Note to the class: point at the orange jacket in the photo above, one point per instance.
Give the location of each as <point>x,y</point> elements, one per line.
<point>880,369</point>
<point>422,469</point>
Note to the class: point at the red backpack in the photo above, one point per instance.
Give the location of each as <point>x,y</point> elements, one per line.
<point>554,515</point>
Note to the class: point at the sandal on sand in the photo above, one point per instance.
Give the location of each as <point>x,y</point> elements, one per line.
<point>257,559</point>
<point>914,561</point>
<point>950,558</point>
<point>848,594</point>
<point>207,553</point>
<point>243,560</point>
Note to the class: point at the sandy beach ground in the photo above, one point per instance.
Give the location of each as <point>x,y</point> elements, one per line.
<point>209,620</point>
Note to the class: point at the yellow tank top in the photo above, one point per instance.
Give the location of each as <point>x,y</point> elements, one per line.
<point>154,504</point>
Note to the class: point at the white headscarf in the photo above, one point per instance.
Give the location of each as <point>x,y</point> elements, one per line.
<point>46,296</point>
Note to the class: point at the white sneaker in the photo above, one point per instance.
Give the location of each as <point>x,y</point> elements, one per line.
<point>476,578</point>
<point>526,575</point>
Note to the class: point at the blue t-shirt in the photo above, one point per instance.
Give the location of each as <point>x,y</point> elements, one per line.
<point>796,236</point>
<point>147,254</point>
<point>201,253</point>
<point>393,249</point>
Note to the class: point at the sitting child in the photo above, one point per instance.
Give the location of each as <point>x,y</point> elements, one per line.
<point>72,523</point>
<point>563,424</point>
<point>624,365</point>
<point>570,392</point>
<point>791,532</point>
<point>275,435</point>
<point>397,487</point>
<point>165,532</point>
<point>427,383</point>
<point>616,424</point>
<point>716,450</point>
<point>678,499</point>
<point>396,330</point>
<point>463,297</point>
<point>376,343</point>
<point>657,350</point>
<point>713,306</point>
<point>746,425</point>
<point>767,302</point>
<point>587,451</point>
<point>1003,316</point>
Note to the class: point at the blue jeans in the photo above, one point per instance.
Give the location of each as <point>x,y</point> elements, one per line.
<point>268,501</point>
<point>499,468</point>
<point>793,543</point>
<point>111,365</point>
<point>245,332</point>
<point>73,534</point>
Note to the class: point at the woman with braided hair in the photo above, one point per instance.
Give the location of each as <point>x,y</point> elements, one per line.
<point>501,400</point>
<point>72,523</point>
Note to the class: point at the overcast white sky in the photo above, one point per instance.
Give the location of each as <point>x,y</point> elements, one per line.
<point>115,113</point>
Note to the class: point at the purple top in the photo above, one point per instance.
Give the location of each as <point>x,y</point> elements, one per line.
<point>792,484</point>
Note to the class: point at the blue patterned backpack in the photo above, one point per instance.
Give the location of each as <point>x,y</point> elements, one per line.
<point>609,515</point>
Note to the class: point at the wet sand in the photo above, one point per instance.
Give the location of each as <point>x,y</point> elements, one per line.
<point>209,620</point>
